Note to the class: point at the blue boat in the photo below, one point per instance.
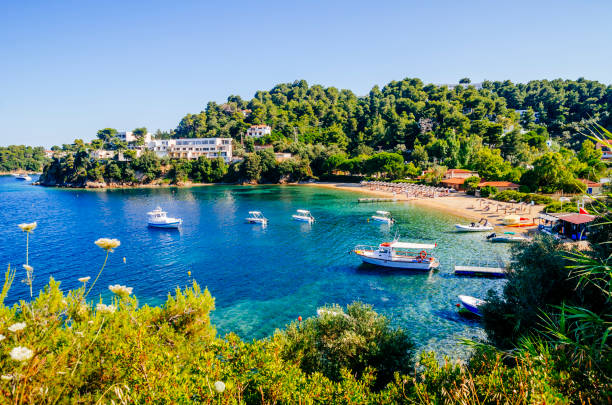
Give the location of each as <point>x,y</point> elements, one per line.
<point>471,304</point>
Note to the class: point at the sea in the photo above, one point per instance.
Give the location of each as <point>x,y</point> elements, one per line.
<point>262,278</point>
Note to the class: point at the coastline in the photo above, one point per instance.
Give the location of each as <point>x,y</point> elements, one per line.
<point>458,204</point>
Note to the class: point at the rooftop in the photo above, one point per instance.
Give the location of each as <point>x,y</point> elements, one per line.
<point>498,184</point>
<point>452,181</point>
<point>577,219</point>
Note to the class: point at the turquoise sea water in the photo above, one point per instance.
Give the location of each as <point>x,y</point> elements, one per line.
<point>261,278</point>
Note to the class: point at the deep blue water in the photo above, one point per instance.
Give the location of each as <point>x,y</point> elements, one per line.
<point>261,278</point>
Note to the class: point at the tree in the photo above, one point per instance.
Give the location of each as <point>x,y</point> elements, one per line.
<point>471,184</point>
<point>107,135</point>
<point>490,165</point>
<point>140,133</point>
<point>465,80</point>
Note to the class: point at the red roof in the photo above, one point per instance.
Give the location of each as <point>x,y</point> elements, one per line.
<point>577,219</point>
<point>498,184</point>
<point>453,181</point>
<point>590,183</point>
<point>458,171</point>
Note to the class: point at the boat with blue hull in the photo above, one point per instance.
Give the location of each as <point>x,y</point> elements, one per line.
<point>158,219</point>
<point>472,304</point>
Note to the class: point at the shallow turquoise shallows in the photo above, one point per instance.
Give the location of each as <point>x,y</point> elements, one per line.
<point>261,278</point>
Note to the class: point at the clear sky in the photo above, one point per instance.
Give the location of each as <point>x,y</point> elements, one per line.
<point>69,68</point>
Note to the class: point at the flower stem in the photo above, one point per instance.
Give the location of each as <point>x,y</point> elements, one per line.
<point>27,261</point>
<point>100,272</point>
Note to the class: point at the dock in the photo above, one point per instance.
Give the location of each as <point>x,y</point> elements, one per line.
<point>480,271</point>
<point>373,200</point>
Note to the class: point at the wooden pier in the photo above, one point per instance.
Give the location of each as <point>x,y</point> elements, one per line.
<point>480,271</point>
<point>373,200</point>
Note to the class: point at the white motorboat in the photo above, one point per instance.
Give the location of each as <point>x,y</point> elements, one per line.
<point>159,219</point>
<point>479,226</point>
<point>507,237</point>
<point>471,304</point>
<point>304,216</point>
<point>23,177</point>
<point>399,255</point>
<point>383,216</point>
<point>256,217</point>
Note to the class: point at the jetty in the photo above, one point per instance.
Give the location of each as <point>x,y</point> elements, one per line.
<point>481,264</point>
<point>373,200</point>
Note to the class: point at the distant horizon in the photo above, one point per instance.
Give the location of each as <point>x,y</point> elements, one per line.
<point>73,68</point>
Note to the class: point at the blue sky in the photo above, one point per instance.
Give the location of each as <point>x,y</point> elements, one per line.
<point>70,68</point>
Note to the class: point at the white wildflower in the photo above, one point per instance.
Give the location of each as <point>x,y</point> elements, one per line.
<point>78,333</point>
<point>16,327</point>
<point>28,268</point>
<point>120,290</point>
<point>107,244</point>
<point>2,337</point>
<point>84,279</point>
<point>28,227</point>
<point>219,386</point>
<point>7,377</point>
<point>105,308</point>
<point>20,353</point>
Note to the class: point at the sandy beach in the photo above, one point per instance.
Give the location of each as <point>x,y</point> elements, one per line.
<point>459,204</point>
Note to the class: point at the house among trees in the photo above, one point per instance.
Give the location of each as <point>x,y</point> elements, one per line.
<point>500,185</point>
<point>606,149</point>
<point>257,131</point>
<point>592,187</point>
<point>193,148</point>
<point>129,136</point>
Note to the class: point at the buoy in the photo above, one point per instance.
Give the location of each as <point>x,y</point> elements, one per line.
<point>299,318</point>
<point>124,260</point>
<point>189,273</point>
<point>458,305</point>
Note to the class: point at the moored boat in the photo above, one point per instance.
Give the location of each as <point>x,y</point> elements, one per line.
<point>256,217</point>
<point>479,226</point>
<point>471,304</point>
<point>383,216</point>
<point>159,219</point>
<point>399,255</point>
<point>304,216</point>
<point>507,237</point>
<point>23,177</point>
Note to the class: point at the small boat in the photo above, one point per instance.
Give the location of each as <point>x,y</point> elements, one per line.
<point>256,217</point>
<point>399,255</point>
<point>158,219</point>
<point>507,237</point>
<point>304,216</point>
<point>23,177</point>
<point>383,216</point>
<point>471,304</point>
<point>479,226</point>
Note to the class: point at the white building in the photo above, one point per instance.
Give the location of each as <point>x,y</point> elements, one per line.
<point>257,131</point>
<point>128,136</point>
<point>193,148</point>
<point>102,154</point>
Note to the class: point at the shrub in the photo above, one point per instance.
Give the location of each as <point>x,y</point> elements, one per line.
<point>486,191</point>
<point>356,339</point>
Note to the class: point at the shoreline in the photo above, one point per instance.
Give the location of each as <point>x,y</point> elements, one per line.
<point>458,204</point>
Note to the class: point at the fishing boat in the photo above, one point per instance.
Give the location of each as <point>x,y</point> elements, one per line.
<point>479,226</point>
<point>304,216</point>
<point>23,177</point>
<point>507,237</point>
<point>383,216</point>
<point>159,219</point>
<point>256,217</point>
<point>471,304</point>
<point>399,255</point>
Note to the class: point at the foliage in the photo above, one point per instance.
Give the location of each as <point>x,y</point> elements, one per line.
<point>22,158</point>
<point>509,195</point>
<point>487,191</point>
<point>357,339</point>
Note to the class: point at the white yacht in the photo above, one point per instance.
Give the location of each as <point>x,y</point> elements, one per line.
<point>472,304</point>
<point>383,216</point>
<point>23,177</point>
<point>304,216</point>
<point>159,219</point>
<point>256,217</point>
<point>400,255</point>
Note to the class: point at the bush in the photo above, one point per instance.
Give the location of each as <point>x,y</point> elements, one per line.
<point>509,195</point>
<point>486,191</point>
<point>356,340</point>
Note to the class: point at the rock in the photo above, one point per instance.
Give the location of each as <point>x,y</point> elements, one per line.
<point>95,184</point>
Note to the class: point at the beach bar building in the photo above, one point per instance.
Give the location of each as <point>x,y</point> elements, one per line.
<point>575,226</point>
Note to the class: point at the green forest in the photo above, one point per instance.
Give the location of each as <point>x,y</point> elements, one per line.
<point>533,134</point>
<point>22,158</point>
